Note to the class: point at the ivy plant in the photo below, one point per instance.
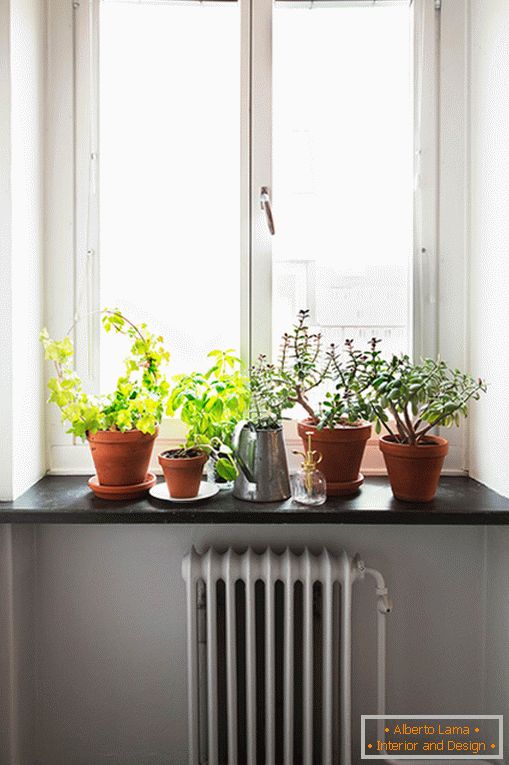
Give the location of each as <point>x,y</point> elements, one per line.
<point>138,400</point>
<point>211,403</point>
<point>419,397</point>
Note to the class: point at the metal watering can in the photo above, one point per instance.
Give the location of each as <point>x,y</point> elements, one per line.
<point>263,468</point>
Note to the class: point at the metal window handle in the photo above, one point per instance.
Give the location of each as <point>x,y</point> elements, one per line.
<point>265,205</point>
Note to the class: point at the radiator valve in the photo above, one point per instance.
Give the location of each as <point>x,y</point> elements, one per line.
<point>384,604</point>
<point>359,565</point>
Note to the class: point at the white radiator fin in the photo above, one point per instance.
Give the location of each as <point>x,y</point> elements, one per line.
<point>269,642</point>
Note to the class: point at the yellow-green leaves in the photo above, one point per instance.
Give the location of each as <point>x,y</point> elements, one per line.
<point>137,402</point>
<point>58,351</point>
<point>146,423</point>
<point>124,420</point>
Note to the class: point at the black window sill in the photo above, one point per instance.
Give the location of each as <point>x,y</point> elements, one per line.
<point>67,499</point>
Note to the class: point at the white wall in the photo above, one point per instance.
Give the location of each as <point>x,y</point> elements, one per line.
<point>489,257</point>
<point>92,631</point>
<point>497,620</point>
<point>21,211</point>
<point>5,256</point>
<point>17,665</point>
<point>452,218</point>
<point>110,630</point>
<point>27,68</point>
<point>489,312</point>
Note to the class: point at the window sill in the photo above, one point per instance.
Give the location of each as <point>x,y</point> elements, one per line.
<point>67,499</point>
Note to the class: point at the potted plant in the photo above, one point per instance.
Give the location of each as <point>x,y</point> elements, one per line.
<point>211,404</point>
<point>183,468</point>
<point>258,442</point>
<point>410,400</point>
<point>120,427</point>
<point>339,423</point>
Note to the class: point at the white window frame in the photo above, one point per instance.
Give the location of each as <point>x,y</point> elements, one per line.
<point>72,223</point>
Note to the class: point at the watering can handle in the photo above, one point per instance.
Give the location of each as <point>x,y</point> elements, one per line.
<point>235,444</point>
<point>239,427</point>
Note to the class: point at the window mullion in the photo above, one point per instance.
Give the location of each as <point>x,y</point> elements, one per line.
<point>59,193</point>
<point>86,192</point>
<point>260,261</point>
<point>426,201</point>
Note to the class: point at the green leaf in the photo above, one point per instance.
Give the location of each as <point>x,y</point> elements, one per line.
<point>226,469</point>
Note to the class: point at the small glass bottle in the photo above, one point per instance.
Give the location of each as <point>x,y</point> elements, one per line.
<point>309,486</point>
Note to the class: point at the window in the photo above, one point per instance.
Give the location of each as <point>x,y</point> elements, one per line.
<point>343,170</point>
<point>169,133</point>
<point>170,173</point>
<point>183,111</point>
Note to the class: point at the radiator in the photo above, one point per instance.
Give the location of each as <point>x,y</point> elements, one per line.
<point>269,656</point>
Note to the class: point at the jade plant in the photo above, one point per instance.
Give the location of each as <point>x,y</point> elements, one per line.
<point>137,403</point>
<point>351,372</point>
<point>341,375</point>
<point>302,366</point>
<point>409,400</point>
<point>268,396</point>
<point>211,404</point>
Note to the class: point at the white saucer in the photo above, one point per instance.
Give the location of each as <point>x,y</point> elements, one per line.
<point>207,490</point>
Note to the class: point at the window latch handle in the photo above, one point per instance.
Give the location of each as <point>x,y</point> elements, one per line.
<point>265,205</point>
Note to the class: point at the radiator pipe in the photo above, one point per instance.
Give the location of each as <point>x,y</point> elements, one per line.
<point>384,606</point>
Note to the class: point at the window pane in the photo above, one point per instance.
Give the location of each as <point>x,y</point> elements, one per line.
<point>170,174</point>
<point>343,155</point>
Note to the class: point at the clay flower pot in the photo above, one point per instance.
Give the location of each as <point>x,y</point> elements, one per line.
<point>182,474</point>
<point>121,459</point>
<point>342,450</point>
<point>414,471</point>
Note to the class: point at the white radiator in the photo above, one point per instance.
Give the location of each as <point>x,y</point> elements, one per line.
<point>269,656</point>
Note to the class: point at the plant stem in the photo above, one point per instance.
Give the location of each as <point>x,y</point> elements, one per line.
<point>388,429</point>
<point>302,400</point>
<point>410,426</point>
<point>420,435</point>
<point>399,424</point>
<point>110,313</point>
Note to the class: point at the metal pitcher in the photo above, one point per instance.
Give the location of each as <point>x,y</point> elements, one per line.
<point>263,468</point>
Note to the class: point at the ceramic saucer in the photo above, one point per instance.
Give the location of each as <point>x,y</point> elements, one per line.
<point>118,493</point>
<point>206,491</point>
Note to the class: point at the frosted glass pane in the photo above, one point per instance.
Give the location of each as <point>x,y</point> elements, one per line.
<point>343,136</point>
<point>170,174</point>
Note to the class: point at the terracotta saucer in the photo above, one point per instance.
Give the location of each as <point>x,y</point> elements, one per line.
<point>118,493</point>
<point>344,488</point>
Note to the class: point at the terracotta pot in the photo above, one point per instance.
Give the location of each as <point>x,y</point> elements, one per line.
<point>414,471</point>
<point>121,459</point>
<point>183,474</point>
<point>122,493</point>
<point>342,450</point>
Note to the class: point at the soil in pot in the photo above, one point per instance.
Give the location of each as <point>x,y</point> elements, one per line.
<point>183,470</point>
<point>414,471</point>
<point>342,450</point>
<point>121,459</point>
